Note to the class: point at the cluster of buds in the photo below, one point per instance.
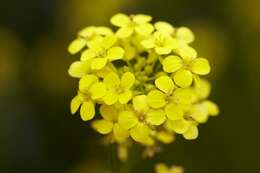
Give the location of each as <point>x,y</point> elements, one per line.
<point>141,83</point>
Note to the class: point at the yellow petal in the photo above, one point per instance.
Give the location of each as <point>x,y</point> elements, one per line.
<point>156,99</point>
<point>97,90</point>
<point>110,98</point>
<point>75,104</point>
<point>200,66</point>
<point>199,113</point>
<point>172,63</point>
<point>213,109</point>
<point>98,63</point>
<point>87,54</point>
<point>165,137</point>
<point>108,41</point>
<point>164,27</point>
<point>78,69</point>
<point>186,52</point>
<point>125,97</point>
<point>115,53</point>
<point>141,18</point>
<point>144,29</point>
<point>76,45</point>
<point>155,117</point>
<point>120,133</point>
<point>108,112</point>
<point>128,80</point>
<point>165,84</point>
<point>95,44</point>
<point>102,126</point>
<point>87,111</point>
<point>86,81</point>
<point>88,31</point>
<point>141,133</point>
<point>104,30</point>
<point>183,78</point>
<point>140,103</point>
<point>203,89</point>
<point>109,68</point>
<point>130,52</point>
<point>127,119</point>
<point>192,133</point>
<point>179,126</point>
<point>125,32</point>
<point>120,20</point>
<point>182,96</point>
<point>173,111</point>
<point>148,43</point>
<point>185,34</point>
<point>112,80</point>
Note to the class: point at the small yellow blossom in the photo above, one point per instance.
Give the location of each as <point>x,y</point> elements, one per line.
<point>184,69</point>
<point>161,42</point>
<point>90,90</point>
<point>101,51</point>
<point>135,23</point>
<point>119,89</point>
<point>86,35</point>
<point>109,123</point>
<point>139,119</point>
<point>168,97</point>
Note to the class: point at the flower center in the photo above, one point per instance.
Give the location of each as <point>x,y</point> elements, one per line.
<point>119,90</point>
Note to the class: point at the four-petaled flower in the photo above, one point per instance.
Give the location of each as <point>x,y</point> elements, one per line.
<point>118,89</point>
<point>90,91</point>
<point>174,100</point>
<point>102,50</point>
<point>109,123</point>
<point>185,68</point>
<point>161,42</point>
<point>139,118</point>
<point>135,23</point>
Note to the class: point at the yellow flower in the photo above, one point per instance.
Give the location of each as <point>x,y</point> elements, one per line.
<point>119,89</point>
<point>140,118</point>
<point>185,127</point>
<point>161,42</point>
<point>200,112</point>
<point>168,97</point>
<point>109,123</point>
<point>101,51</point>
<point>85,35</point>
<point>135,23</point>
<point>163,168</point>
<point>90,90</point>
<point>184,69</point>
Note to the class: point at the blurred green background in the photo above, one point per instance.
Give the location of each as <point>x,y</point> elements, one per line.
<point>39,135</point>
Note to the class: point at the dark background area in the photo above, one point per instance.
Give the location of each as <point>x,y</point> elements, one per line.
<point>38,134</point>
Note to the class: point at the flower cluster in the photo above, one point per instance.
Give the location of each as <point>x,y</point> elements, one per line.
<point>141,83</point>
